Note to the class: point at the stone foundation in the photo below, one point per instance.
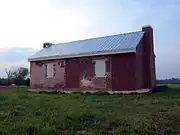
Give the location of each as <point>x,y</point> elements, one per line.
<point>91,91</point>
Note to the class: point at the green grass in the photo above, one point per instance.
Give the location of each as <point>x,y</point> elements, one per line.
<point>25,113</point>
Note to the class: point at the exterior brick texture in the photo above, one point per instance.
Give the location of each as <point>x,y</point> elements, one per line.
<point>80,73</point>
<point>38,77</point>
<point>127,71</point>
<point>123,71</point>
<point>149,72</point>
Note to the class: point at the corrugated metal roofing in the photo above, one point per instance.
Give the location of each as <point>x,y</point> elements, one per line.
<point>113,43</point>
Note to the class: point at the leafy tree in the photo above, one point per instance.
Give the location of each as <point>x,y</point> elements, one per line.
<point>17,76</point>
<point>20,74</point>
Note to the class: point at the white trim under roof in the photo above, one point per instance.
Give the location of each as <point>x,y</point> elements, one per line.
<point>128,50</point>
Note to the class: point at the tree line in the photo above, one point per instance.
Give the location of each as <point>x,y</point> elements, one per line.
<point>169,81</point>
<point>17,76</point>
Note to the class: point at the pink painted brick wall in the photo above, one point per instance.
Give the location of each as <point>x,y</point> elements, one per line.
<point>38,78</point>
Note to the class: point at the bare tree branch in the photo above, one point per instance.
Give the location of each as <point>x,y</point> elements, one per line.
<point>9,73</point>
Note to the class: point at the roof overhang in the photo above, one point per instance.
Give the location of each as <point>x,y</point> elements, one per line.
<point>129,50</point>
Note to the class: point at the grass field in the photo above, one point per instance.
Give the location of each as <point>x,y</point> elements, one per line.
<point>22,112</point>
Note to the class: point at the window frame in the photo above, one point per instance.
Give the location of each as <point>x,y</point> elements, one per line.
<point>95,63</point>
<point>49,75</point>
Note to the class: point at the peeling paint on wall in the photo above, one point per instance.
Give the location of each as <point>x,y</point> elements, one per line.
<point>38,74</point>
<point>95,82</point>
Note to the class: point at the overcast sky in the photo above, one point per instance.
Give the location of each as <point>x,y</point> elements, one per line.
<point>29,23</point>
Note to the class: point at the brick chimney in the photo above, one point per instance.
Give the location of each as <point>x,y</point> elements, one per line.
<point>148,33</point>
<point>149,57</point>
<point>47,44</point>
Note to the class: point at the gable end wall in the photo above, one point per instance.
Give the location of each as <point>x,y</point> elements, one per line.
<point>145,61</point>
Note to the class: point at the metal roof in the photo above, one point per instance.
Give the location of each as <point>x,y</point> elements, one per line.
<point>121,43</point>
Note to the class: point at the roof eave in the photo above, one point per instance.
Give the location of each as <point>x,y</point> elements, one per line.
<point>129,50</point>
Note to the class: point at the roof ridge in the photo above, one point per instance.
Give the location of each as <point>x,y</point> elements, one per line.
<point>98,37</point>
<point>117,43</point>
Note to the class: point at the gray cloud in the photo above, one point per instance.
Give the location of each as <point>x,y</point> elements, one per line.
<point>15,57</point>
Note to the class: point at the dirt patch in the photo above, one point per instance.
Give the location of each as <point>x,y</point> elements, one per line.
<point>4,88</point>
